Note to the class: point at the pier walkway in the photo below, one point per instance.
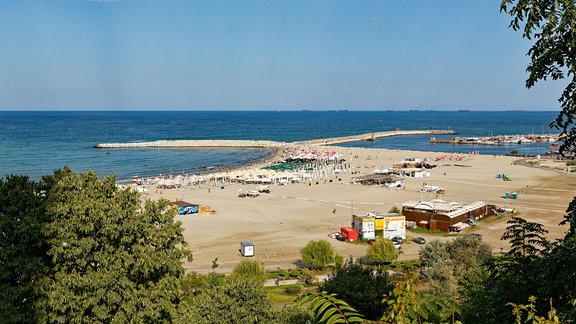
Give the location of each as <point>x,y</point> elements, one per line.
<point>270,144</point>
<point>373,136</point>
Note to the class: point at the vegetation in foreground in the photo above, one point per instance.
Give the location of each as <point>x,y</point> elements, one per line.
<point>79,249</point>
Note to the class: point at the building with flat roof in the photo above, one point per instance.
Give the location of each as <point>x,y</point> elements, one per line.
<point>445,216</point>
<point>371,225</point>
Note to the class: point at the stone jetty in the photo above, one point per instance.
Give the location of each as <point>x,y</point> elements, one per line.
<point>194,144</point>
<point>270,144</point>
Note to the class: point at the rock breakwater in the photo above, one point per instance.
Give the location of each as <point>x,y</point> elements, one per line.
<point>195,144</point>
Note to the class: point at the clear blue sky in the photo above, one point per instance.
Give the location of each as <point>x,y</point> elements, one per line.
<point>263,55</point>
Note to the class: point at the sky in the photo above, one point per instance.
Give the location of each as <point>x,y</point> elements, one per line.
<point>264,55</point>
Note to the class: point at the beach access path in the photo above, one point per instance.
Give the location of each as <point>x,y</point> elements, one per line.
<point>272,144</point>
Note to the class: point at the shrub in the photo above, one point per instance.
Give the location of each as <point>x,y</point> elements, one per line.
<point>381,252</point>
<point>395,210</point>
<point>249,269</point>
<point>293,289</point>
<point>317,254</point>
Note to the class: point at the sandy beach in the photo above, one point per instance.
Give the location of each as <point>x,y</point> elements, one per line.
<point>281,222</point>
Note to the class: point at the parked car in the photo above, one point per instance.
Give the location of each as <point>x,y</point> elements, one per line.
<point>371,241</point>
<point>397,239</point>
<point>419,240</point>
<point>473,235</point>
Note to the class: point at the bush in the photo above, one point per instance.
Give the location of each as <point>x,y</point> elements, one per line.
<point>249,269</point>
<point>361,287</point>
<point>317,254</point>
<point>307,277</point>
<point>293,289</point>
<point>381,252</point>
<point>395,210</point>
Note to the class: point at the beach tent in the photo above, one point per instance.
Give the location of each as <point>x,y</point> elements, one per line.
<point>184,208</point>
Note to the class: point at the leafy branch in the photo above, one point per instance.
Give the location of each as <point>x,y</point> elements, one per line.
<point>326,308</point>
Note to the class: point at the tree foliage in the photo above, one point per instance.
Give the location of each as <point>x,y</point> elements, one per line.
<point>527,239</point>
<point>546,271</point>
<point>382,251</point>
<point>327,308</point>
<point>551,25</point>
<point>75,248</point>
<point>317,254</point>
<point>360,286</point>
<point>405,305</point>
<point>236,301</point>
<point>249,270</point>
<point>110,258</point>
<point>448,264</point>
<point>22,249</point>
<point>531,316</point>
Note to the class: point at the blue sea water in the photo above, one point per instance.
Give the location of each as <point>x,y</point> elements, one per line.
<point>36,143</point>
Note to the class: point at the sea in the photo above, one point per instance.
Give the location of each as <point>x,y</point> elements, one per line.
<point>36,143</point>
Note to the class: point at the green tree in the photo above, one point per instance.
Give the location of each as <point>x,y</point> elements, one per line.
<point>113,259</point>
<point>512,278</point>
<point>527,239</point>
<point>236,301</point>
<point>22,249</point>
<point>551,25</point>
<point>360,286</point>
<point>433,252</point>
<point>404,304</point>
<point>383,251</point>
<point>449,264</point>
<point>317,254</point>
<point>249,269</point>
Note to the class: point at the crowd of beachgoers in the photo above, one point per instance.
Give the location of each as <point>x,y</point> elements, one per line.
<point>288,165</point>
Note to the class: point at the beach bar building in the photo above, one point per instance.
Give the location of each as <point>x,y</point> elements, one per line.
<point>445,216</point>
<point>387,225</point>
<point>393,226</point>
<point>365,225</point>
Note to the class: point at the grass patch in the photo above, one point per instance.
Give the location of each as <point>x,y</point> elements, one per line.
<point>420,230</point>
<point>284,294</point>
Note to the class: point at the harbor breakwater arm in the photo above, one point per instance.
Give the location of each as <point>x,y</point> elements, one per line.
<point>194,144</point>
<point>269,144</point>
<point>373,136</point>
